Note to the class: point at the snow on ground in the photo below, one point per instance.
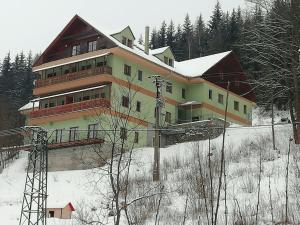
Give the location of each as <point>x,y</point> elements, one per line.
<point>78,186</point>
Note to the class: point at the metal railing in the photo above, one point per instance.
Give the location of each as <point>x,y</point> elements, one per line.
<point>71,138</point>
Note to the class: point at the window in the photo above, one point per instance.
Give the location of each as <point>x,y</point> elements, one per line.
<point>245,109</point>
<point>123,133</point>
<point>169,87</point>
<point>127,70</point>
<point>221,99</point>
<point>168,117</point>
<point>166,60</point>
<point>124,40</point>
<point>210,94</point>
<point>51,214</point>
<point>58,136</point>
<point>140,75</point>
<point>92,46</point>
<point>171,62</point>
<point>125,101</point>
<point>75,50</point>
<point>155,112</point>
<point>129,43</point>
<point>183,93</point>
<point>138,106</point>
<point>222,75</point>
<point>236,105</point>
<point>102,95</point>
<point>136,137</point>
<point>92,131</point>
<point>73,134</point>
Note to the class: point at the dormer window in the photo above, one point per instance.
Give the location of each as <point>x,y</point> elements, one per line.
<point>75,50</point>
<point>129,43</point>
<point>92,46</point>
<point>166,60</point>
<point>124,40</point>
<point>171,62</point>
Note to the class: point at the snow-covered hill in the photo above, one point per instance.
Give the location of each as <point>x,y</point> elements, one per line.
<point>180,176</point>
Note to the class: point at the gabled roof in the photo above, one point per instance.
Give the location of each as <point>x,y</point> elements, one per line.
<point>66,28</point>
<point>60,205</point>
<point>158,50</point>
<point>198,66</point>
<point>119,30</point>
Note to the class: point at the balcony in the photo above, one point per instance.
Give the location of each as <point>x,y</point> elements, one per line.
<point>82,142</point>
<point>72,107</point>
<point>73,76</point>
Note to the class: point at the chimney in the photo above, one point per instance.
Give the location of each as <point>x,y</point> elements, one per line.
<point>147,40</point>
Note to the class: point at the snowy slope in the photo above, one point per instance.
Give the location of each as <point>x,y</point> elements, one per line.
<point>78,187</point>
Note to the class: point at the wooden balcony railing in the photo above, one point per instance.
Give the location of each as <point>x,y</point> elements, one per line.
<point>73,76</point>
<point>65,144</point>
<point>94,103</point>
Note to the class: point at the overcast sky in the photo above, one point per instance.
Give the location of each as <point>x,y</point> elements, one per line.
<point>33,24</point>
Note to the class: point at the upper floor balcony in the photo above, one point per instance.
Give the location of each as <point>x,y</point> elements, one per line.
<point>72,107</point>
<point>73,76</point>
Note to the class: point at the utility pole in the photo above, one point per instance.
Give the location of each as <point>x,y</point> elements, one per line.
<point>158,83</point>
<point>34,204</point>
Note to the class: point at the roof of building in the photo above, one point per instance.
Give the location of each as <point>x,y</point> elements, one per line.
<point>198,66</point>
<point>158,50</point>
<point>29,106</point>
<point>60,205</point>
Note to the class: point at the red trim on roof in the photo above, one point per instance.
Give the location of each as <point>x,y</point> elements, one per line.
<point>71,206</point>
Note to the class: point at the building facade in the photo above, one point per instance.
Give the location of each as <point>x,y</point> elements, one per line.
<point>87,75</point>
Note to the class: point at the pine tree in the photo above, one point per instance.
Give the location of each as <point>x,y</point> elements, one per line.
<point>154,39</point>
<point>178,50</point>
<point>162,35</point>
<point>141,40</point>
<point>171,35</point>
<point>200,38</point>
<point>187,35</point>
<point>216,31</point>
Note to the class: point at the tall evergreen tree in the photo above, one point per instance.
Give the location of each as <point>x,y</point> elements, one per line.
<point>200,38</point>
<point>178,50</point>
<point>187,35</point>
<point>171,35</point>
<point>154,39</point>
<point>162,35</point>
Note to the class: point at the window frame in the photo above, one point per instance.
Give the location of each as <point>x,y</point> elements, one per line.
<point>140,75</point>
<point>92,131</point>
<point>245,109</point>
<point>92,46</point>
<point>136,137</point>
<point>58,135</point>
<point>127,70</point>
<point>183,93</point>
<point>169,87</point>
<point>123,133</point>
<point>73,136</point>
<point>125,101</point>
<point>168,117</point>
<point>138,106</point>
<point>236,105</point>
<point>210,94</point>
<point>75,49</point>
<point>221,99</point>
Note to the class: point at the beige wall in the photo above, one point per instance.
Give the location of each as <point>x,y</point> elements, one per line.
<point>61,213</point>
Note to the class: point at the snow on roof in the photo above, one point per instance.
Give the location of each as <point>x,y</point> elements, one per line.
<point>29,105</point>
<point>197,67</point>
<point>116,30</point>
<point>158,50</point>
<point>59,205</point>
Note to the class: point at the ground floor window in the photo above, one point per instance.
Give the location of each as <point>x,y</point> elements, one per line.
<point>136,137</point>
<point>51,214</point>
<point>92,131</point>
<point>58,135</point>
<point>73,134</point>
<point>123,133</point>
